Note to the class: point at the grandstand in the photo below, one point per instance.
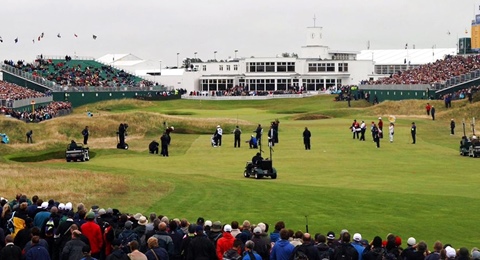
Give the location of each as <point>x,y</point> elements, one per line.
<point>81,80</point>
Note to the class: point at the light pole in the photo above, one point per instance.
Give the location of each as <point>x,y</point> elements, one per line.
<point>160,69</point>
<point>215,55</point>
<point>178,53</point>
<point>236,54</point>
<point>195,55</point>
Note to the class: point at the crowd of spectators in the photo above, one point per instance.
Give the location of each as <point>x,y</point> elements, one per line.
<point>41,113</point>
<point>10,91</point>
<point>46,229</point>
<point>436,72</point>
<point>244,91</point>
<point>71,75</point>
<point>460,94</point>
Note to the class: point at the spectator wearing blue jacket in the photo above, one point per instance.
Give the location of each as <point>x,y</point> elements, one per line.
<point>282,250</point>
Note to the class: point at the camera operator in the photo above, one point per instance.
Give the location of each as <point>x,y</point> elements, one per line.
<point>122,132</point>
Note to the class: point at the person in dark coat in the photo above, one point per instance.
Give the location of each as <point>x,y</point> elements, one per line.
<point>85,134</point>
<point>432,112</point>
<point>306,138</point>
<point>165,140</point>
<point>10,251</point>
<point>308,248</point>
<point>413,131</point>
<point>259,133</point>
<point>153,147</point>
<point>37,251</point>
<point>376,135</point>
<point>452,127</point>
<point>155,252</point>
<point>200,247</point>
<point>117,252</point>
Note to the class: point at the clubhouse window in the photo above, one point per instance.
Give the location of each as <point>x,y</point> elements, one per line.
<point>291,66</point>
<point>331,67</point>
<point>282,84</point>
<point>270,66</point>
<point>281,66</point>
<point>270,84</point>
<point>312,67</point>
<point>342,67</point>
<point>235,67</point>
<point>220,67</point>
<point>322,67</point>
<point>204,67</point>
<point>260,67</point>
<point>228,67</point>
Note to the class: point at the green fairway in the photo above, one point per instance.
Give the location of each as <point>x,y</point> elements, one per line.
<point>425,190</point>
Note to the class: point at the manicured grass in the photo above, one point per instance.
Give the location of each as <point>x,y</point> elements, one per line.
<point>424,190</point>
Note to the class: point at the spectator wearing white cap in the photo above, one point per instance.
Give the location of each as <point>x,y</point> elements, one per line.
<point>225,242</point>
<point>357,244</point>
<point>409,252</point>
<point>450,252</point>
<point>41,216</point>
<point>261,246</point>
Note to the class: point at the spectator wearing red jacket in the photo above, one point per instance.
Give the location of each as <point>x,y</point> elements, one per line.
<point>225,242</point>
<point>94,234</point>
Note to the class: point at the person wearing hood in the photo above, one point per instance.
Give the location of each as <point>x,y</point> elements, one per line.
<point>225,242</point>
<point>283,249</point>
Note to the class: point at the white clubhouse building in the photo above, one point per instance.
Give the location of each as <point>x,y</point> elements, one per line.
<point>317,68</point>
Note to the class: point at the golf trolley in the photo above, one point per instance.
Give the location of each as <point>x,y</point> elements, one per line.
<point>77,153</point>
<point>265,169</point>
<point>470,146</point>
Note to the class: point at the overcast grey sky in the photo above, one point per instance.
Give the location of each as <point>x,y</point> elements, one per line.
<point>158,29</point>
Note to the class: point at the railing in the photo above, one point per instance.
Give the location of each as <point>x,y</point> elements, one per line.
<point>457,80</point>
<point>27,75</point>
<point>273,96</point>
<point>8,103</point>
<point>395,87</point>
<point>56,57</point>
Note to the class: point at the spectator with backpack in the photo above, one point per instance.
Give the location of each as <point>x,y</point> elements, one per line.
<point>306,250</point>
<point>117,253</point>
<point>94,234</point>
<point>127,236</point>
<point>324,251</point>
<point>344,250</point>
<point>282,250</point>
<point>374,251</point>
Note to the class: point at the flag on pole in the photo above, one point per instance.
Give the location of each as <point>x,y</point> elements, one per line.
<point>448,32</point>
<point>94,37</point>
<point>59,36</point>
<point>16,40</point>
<point>39,38</point>
<point>42,35</point>
<point>1,40</point>
<point>33,40</point>
<point>406,46</point>
<point>75,35</point>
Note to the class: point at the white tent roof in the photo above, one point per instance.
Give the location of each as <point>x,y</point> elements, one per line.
<point>398,57</point>
<point>110,58</point>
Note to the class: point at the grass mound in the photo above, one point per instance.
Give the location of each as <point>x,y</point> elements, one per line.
<point>311,117</point>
